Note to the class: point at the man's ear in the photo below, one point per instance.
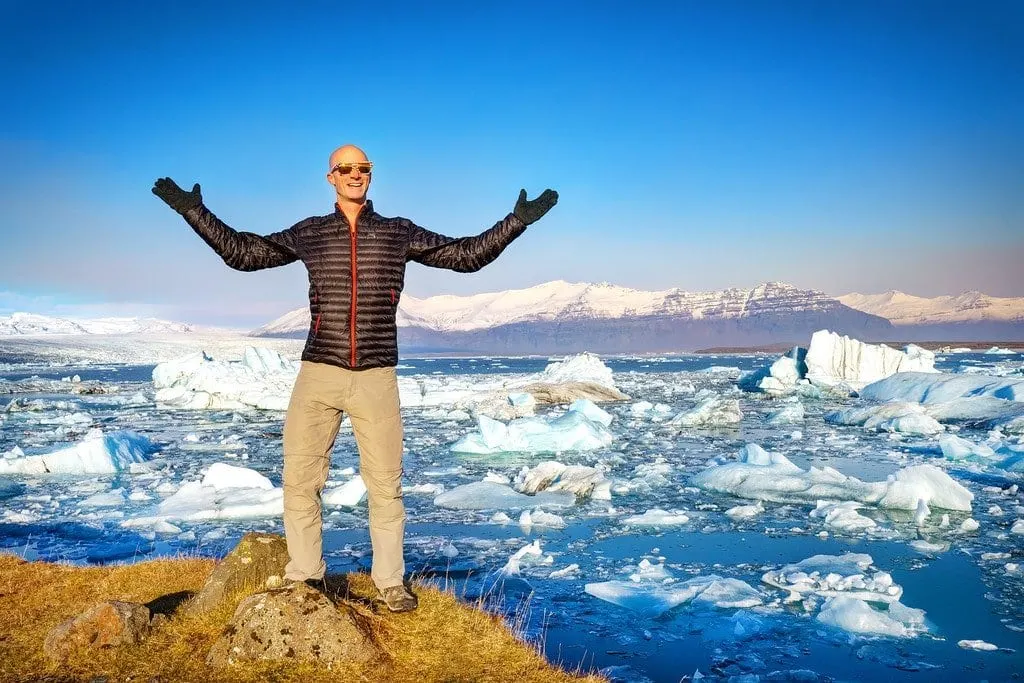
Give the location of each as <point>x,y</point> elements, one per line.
<point>330,177</point>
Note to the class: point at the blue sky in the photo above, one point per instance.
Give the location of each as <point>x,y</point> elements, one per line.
<point>837,146</point>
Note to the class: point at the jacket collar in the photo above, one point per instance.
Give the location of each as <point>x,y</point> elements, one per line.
<point>367,209</point>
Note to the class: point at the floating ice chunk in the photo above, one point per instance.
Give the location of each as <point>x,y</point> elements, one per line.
<point>955,448</point>
<point>905,489</point>
<point>641,408</point>
<point>199,501</point>
<point>1018,527</point>
<point>927,547</point>
<point>648,571</point>
<point>97,453</point>
<point>833,360</point>
<point>789,413</point>
<point>565,573</point>
<point>653,598</point>
<point>741,512</point>
<point>998,351</point>
<point>529,519</point>
<point>15,452</point>
<point>528,555</point>
<point>105,499</point>
<point>221,476</point>
<point>584,367</point>
<point>263,379</point>
<point>497,478</point>
<point>591,411</point>
<point>657,517</point>
<point>831,575</point>
<point>554,476</point>
<point>843,516</point>
<point>907,418</point>
<point>572,431</point>
<point>500,518</point>
<point>485,495</point>
<point>922,512</point>
<point>160,526</point>
<point>427,489</point>
<point>711,412</point>
<point>979,645</point>
<point>969,525</point>
<point>348,494</point>
<point>857,616</point>
<point>939,388</point>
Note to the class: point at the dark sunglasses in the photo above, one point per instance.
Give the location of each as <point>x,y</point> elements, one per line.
<point>346,169</point>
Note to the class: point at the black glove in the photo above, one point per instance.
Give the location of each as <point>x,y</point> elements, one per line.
<point>530,211</point>
<point>176,198</point>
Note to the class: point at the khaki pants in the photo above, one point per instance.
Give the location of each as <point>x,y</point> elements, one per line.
<point>321,395</point>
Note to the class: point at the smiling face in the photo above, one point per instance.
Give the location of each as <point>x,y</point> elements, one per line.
<point>349,172</point>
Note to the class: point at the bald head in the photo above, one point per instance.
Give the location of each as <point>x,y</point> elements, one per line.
<point>346,154</point>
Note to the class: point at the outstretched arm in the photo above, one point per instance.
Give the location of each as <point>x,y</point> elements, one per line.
<point>240,250</point>
<point>470,254</point>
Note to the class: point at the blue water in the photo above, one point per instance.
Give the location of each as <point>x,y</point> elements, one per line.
<point>964,596</point>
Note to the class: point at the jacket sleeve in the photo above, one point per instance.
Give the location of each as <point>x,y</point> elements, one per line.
<point>243,250</point>
<point>462,254</point>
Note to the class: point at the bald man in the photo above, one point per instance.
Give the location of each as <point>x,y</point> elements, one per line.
<point>356,263</point>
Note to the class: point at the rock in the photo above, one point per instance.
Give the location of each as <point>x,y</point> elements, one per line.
<point>294,623</point>
<point>572,391</point>
<point>107,624</point>
<point>256,562</point>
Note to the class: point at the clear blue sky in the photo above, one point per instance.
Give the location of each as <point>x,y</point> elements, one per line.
<point>841,146</point>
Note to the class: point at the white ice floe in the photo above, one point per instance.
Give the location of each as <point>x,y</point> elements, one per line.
<point>1018,527</point>
<point>486,495</point>
<point>999,351</point>
<point>791,412</point>
<point>221,476</point>
<point>105,499</point>
<point>902,417</point>
<point>760,475</point>
<point>583,367</point>
<point>217,497</point>
<point>348,494</point>
<point>573,431</point>
<point>858,616</point>
<point>979,645</point>
<point>657,517</point>
<point>651,591</point>
<point>741,512</point>
<point>581,480</point>
<point>955,448</point>
<point>528,520</point>
<point>528,555</point>
<point>96,453</point>
<point>262,379</point>
<point>565,573</point>
<point>939,388</point>
<point>843,516</point>
<point>849,574</point>
<point>713,411</point>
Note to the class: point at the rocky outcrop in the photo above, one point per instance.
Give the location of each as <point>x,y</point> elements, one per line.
<point>257,562</point>
<point>107,624</point>
<point>294,623</point>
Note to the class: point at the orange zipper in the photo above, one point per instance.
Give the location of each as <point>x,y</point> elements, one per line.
<point>355,288</point>
<point>316,325</point>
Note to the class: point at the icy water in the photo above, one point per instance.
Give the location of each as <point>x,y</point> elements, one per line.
<point>968,584</point>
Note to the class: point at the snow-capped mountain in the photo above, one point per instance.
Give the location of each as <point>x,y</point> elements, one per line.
<point>563,316</point>
<point>907,309</point>
<point>30,324</point>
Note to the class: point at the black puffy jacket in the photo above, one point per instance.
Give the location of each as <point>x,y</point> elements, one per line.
<point>355,276</point>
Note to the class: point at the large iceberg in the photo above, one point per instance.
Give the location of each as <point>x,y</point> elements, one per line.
<point>760,475</point>
<point>940,388</point>
<point>581,480</point>
<point>225,492</point>
<point>906,418</point>
<point>838,363</point>
<point>489,495</point>
<point>262,379</point>
<point>96,453</point>
<point>710,413</point>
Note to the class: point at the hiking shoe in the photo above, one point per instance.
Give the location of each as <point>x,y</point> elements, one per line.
<point>398,599</point>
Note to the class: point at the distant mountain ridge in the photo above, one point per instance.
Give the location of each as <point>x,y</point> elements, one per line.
<point>31,324</point>
<point>906,309</point>
<point>563,316</point>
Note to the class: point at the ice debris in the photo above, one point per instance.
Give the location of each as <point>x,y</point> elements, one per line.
<point>573,431</point>
<point>262,379</point>
<point>712,412</point>
<point>486,495</point>
<point>96,453</point>
<point>581,480</point>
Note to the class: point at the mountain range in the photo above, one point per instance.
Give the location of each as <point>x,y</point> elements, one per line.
<point>563,316</point>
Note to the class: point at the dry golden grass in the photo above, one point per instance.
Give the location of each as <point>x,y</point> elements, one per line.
<point>444,640</point>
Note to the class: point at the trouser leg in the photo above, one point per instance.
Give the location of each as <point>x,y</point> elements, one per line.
<point>377,423</point>
<point>310,428</point>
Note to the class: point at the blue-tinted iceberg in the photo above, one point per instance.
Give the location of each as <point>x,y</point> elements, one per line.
<point>97,453</point>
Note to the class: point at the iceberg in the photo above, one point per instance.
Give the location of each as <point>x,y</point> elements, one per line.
<point>857,616</point>
<point>902,417</point>
<point>657,517</point>
<point>96,453</point>
<point>581,480</point>
<point>652,592</point>
<point>262,379</point>
<point>710,413</point>
<point>210,499</point>
<point>930,388</point>
<point>573,431</point>
<point>849,574</point>
<point>843,516</point>
<point>791,412</point>
<point>759,475</point>
<point>350,493</point>
<point>833,359</point>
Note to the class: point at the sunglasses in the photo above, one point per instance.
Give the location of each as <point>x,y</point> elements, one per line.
<point>346,169</point>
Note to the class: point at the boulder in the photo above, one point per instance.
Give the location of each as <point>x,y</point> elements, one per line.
<point>257,562</point>
<point>291,624</point>
<point>107,624</point>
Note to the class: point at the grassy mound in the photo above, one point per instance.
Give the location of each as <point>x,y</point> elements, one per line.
<point>444,640</point>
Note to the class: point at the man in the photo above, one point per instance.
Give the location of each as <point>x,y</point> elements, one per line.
<point>356,262</point>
